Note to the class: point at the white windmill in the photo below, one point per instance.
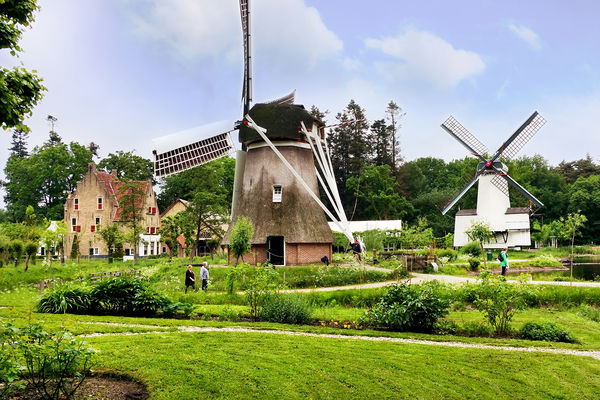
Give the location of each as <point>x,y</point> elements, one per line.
<point>509,224</point>
<point>276,181</point>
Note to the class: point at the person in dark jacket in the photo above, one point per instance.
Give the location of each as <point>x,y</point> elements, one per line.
<point>190,279</point>
<point>356,250</point>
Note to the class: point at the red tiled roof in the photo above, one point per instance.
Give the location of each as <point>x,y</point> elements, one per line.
<point>112,185</point>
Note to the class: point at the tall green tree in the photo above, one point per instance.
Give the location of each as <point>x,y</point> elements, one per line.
<point>351,150</point>
<point>44,179</point>
<point>382,144</point>
<point>582,168</point>
<point>20,90</point>
<point>584,198</point>
<point>18,144</point>
<point>112,237</point>
<point>128,166</point>
<point>241,236</point>
<point>378,191</point>
<point>481,233</point>
<point>208,212</point>
<point>394,113</point>
<point>131,202</point>
<point>169,231</point>
<point>214,177</point>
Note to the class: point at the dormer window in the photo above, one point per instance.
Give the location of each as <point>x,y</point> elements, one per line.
<point>99,203</point>
<point>276,193</point>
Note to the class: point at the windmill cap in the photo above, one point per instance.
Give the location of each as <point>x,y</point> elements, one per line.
<point>280,120</point>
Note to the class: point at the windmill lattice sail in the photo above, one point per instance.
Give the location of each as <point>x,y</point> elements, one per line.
<point>188,149</point>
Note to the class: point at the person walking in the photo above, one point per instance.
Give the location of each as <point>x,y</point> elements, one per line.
<point>503,256</point>
<point>356,250</point>
<point>204,275</point>
<point>190,278</point>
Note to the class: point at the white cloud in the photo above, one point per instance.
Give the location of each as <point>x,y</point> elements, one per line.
<point>527,35</point>
<point>428,58</point>
<point>283,31</point>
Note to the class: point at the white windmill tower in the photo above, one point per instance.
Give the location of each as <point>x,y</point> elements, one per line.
<point>276,181</point>
<point>509,224</point>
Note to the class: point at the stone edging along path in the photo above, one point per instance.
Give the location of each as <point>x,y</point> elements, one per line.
<point>581,353</point>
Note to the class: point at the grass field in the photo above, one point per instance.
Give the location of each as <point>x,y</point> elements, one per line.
<point>191,365</point>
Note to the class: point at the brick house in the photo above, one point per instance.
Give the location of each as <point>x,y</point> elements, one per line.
<point>95,202</point>
<point>175,208</point>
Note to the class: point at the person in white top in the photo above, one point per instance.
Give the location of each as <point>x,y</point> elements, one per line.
<point>204,275</point>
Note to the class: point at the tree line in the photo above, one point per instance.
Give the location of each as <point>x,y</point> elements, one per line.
<point>373,179</point>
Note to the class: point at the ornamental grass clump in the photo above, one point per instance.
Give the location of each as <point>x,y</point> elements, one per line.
<point>286,309</point>
<point>408,308</point>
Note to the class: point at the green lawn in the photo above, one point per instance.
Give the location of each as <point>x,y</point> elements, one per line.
<point>267,366</point>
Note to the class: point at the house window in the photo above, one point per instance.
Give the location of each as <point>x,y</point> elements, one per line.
<point>164,249</point>
<point>153,210</point>
<point>96,251</point>
<point>93,228</point>
<point>78,228</point>
<point>276,193</point>
<point>77,204</point>
<point>99,203</point>
<point>74,224</point>
<point>153,230</point>
<point>97,221</point>
<point>127,251</point>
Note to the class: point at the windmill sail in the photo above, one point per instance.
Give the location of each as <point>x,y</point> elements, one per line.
<point>188,149</point>
<point>247,84</point>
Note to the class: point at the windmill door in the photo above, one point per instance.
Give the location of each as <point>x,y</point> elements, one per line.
<point>276,250</point>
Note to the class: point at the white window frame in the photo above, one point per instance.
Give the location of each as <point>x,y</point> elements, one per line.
<point>100,203</point>
<point>277,193</point>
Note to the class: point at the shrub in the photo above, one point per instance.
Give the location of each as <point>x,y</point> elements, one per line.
<point>472,248</point>
<point>408,307</point>
<point>54,365</point>
<point>448,253</point>
<point>9,368</point>
<point>476,329</point>
<point>228,314</point>
<point>474,263</point>
<point>64,299</point>
<point>115,296</point>
<point>286,309</point>
<point>260,283</point>
<point>547,331</point>
<point>590,312</point>
<point>499,300</point>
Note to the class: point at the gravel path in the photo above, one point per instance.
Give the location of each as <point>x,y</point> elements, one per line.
<point>580,353</point>
<point>418,278</point>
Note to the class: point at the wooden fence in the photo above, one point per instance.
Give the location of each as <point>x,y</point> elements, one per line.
<point>412,261</point>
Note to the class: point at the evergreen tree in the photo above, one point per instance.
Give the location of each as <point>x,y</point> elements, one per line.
<point>19,143</point>
<point>382,143</point>
<point>351,149</point>
<point>394,113</point>
<point>318,114</point>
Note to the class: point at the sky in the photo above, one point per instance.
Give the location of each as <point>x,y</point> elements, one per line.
<point>122,72</point>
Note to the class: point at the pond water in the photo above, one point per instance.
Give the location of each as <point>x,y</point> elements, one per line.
<point>587,271</point>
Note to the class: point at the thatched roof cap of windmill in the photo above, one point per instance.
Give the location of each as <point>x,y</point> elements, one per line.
<point>282,121</point>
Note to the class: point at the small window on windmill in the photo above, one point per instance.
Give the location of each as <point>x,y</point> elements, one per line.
<point>276,193</point>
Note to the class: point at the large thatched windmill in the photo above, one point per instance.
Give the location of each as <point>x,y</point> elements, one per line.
<point>275,183</point>
<point>509,224</point>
